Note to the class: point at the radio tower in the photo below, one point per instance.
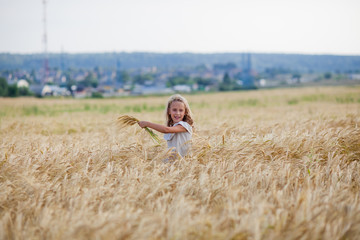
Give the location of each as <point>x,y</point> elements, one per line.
<point>46,61</point>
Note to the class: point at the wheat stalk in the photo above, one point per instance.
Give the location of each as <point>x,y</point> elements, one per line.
<point>126,120</point>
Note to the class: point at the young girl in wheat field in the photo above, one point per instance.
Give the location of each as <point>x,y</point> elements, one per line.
<point>179,125</point>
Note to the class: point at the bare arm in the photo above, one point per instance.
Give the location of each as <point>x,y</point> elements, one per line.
<point>162,128</point>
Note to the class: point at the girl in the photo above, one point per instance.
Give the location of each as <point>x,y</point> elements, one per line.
<point>179,124</point>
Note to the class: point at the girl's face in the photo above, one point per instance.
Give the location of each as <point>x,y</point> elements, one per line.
<point>177,111</point>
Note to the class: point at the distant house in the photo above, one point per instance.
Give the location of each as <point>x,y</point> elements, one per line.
<point>182,88</point>
<point>36,89</point>
<point>262,82</point>
<point>22,84</point>
<point>52,90</point>
<point>106,91</point>
<point>148,90</point>
<point>83,92</point>
<point>355,76</point>
<point>49,90</point>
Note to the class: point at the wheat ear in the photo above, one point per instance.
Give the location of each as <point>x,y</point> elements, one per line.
<point>126,120</point>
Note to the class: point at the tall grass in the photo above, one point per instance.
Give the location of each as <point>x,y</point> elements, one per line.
<point>263,171</point>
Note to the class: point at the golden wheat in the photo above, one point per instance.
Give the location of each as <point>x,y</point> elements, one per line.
<point>269,170</point>
<point>126,120</point>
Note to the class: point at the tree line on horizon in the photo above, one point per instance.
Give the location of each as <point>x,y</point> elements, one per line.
<point>164,61</point>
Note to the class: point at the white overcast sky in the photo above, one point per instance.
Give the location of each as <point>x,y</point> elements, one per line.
<point>201,26</point>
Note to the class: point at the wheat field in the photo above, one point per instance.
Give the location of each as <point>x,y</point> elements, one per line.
<point>266,164</point>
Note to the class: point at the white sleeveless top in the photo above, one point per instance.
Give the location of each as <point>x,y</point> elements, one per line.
<point>180,141</point>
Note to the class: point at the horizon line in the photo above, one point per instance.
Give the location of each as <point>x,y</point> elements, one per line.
<point>182,52</point>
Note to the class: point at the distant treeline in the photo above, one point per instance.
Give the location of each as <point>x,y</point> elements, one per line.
<point>123,60</point>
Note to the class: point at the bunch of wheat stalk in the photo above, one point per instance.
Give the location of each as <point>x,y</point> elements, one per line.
<point>126,120</point>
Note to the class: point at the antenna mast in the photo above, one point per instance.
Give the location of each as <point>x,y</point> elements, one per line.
<point>46,61</point>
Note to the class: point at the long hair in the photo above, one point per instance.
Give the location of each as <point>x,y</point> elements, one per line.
<point>188,115</point>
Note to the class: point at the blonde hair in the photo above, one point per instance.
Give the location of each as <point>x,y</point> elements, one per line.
<point>188,115</point>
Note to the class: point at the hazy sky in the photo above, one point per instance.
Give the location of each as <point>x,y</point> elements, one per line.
<point>276,26</point>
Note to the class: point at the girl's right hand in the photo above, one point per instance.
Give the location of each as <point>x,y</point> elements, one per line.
<point>142,124</point>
